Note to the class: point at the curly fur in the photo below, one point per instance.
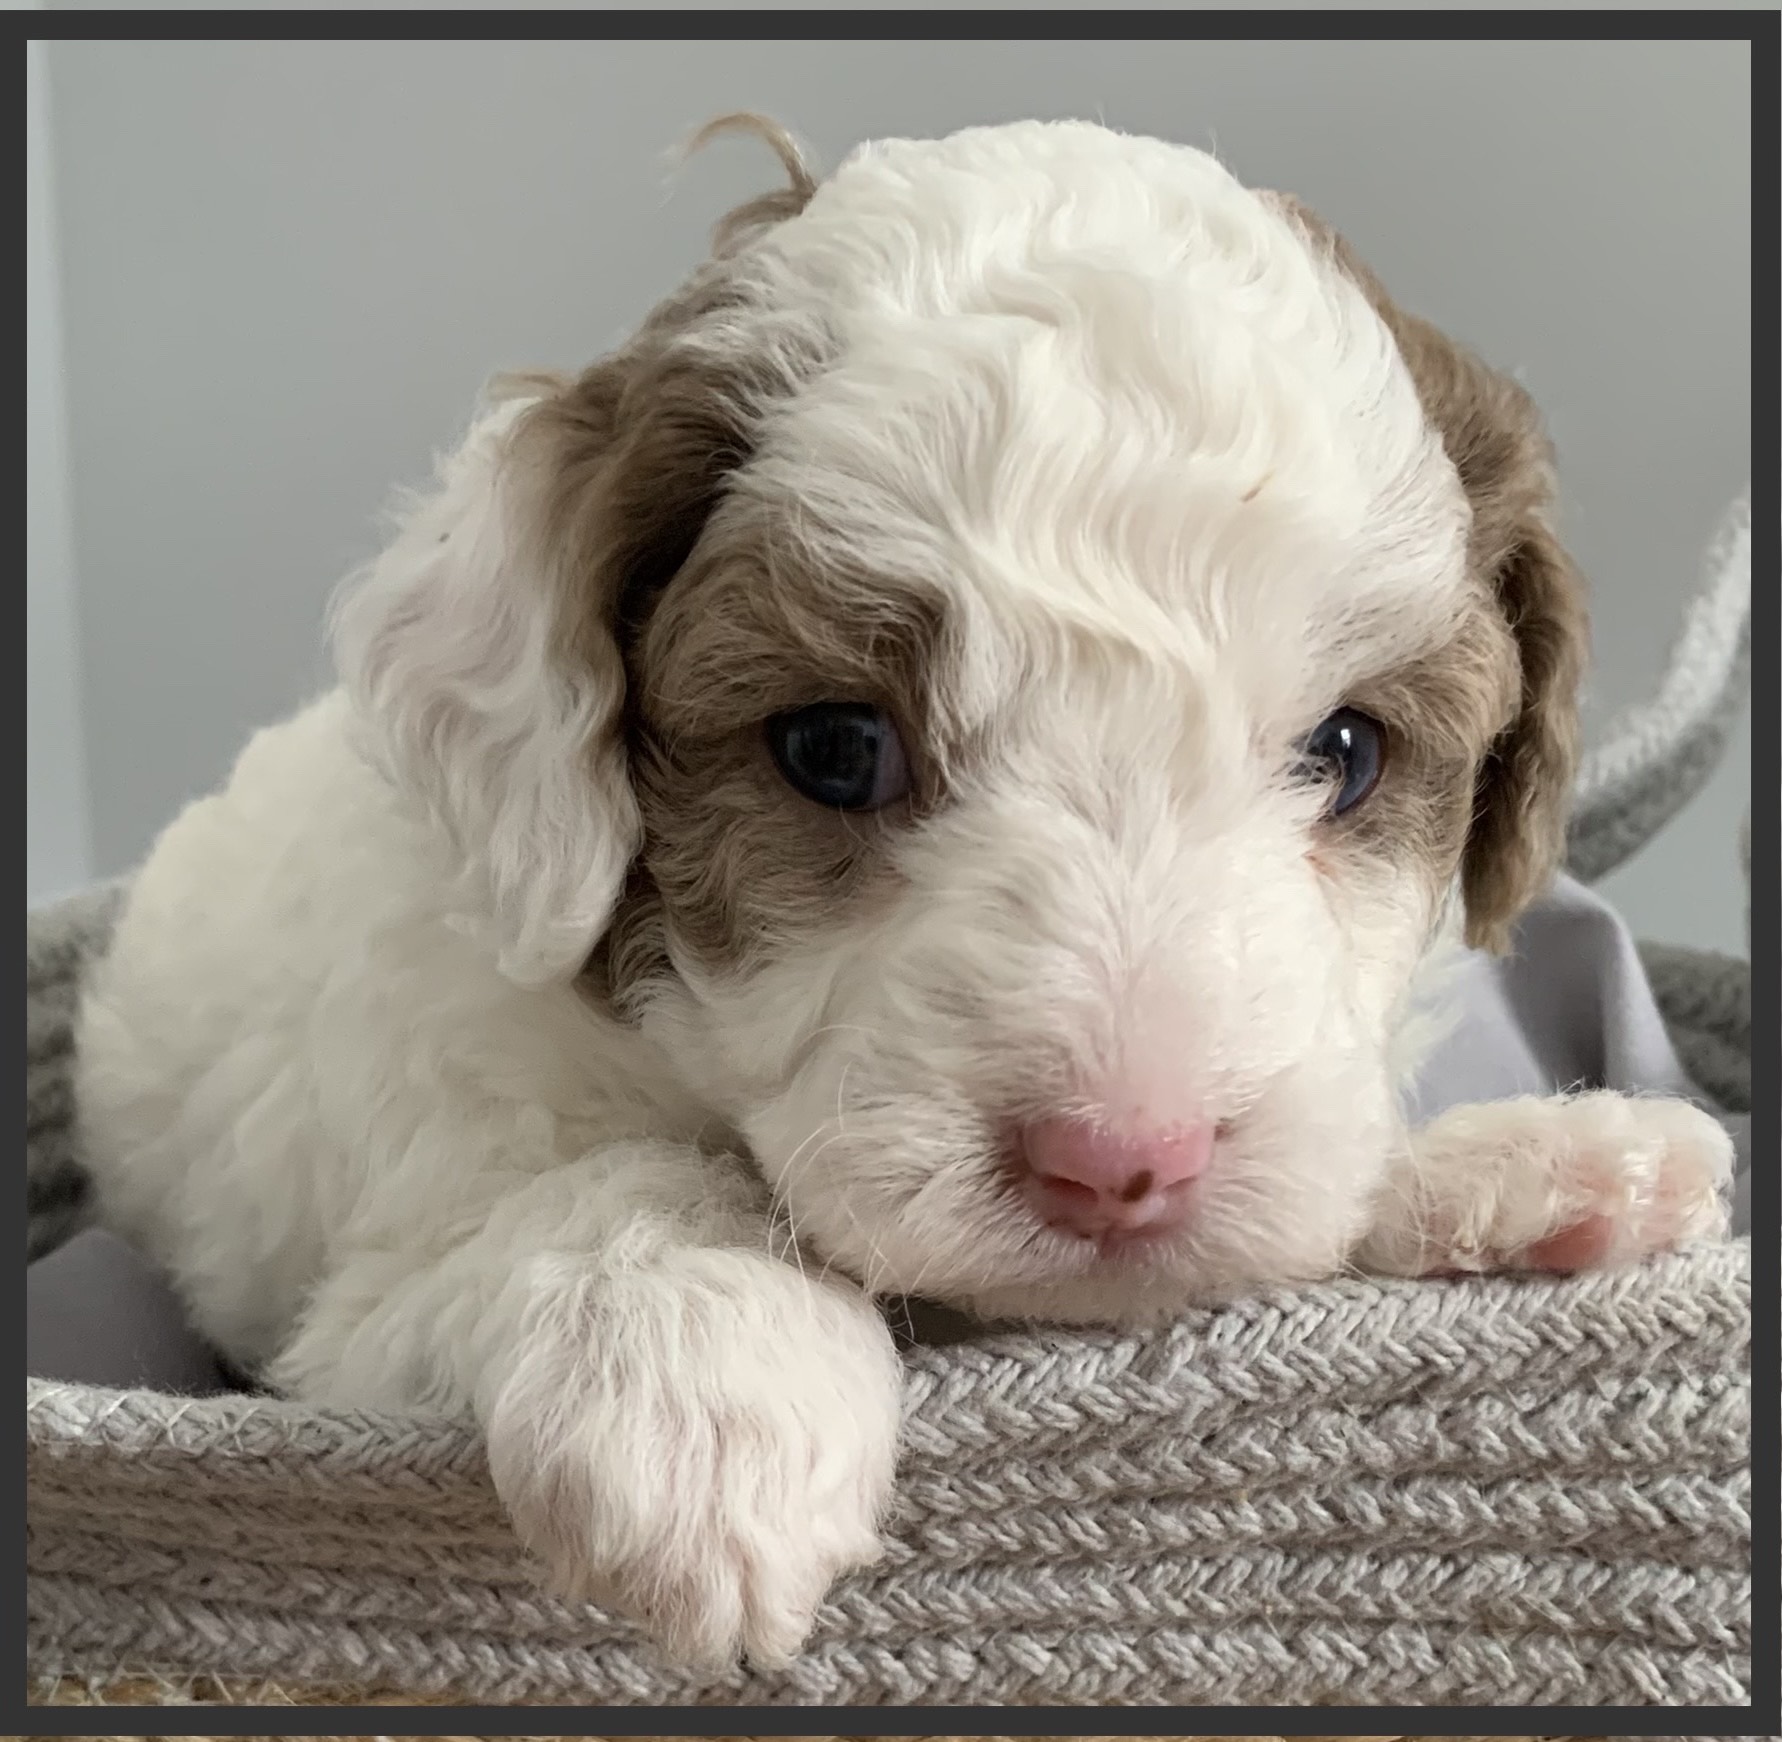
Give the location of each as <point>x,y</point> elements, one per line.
<point>507,1038</point>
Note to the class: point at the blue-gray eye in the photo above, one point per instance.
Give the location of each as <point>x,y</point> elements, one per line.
<point>845,755</point>
<point>1348,749</point>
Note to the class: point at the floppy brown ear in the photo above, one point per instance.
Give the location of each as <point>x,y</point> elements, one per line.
<point>1517,841</point>
<point>484,649</point>
<point>1493,434</point>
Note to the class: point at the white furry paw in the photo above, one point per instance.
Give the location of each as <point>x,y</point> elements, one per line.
<point>1563,1184</point>
<point>703,1448</point>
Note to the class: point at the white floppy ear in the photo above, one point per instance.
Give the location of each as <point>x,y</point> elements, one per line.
<point>473,702</point>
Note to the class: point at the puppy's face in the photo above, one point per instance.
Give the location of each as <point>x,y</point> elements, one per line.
<point>937,873</point>
<point>1068,675</point>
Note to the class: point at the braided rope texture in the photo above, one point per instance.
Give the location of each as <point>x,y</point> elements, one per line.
<point>58,940</point>
<point>1705,999</point>
<point>1655,757</point>
<point>1494,1492</point>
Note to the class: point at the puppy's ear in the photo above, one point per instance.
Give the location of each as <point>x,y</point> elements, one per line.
<point>1517,841</point>
<point>452,647</point>
<point>1493,434</point>
<point>485,648</point>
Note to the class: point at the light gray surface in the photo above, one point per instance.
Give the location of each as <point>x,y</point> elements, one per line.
<point>288,266</point>
<point>97,1313</point>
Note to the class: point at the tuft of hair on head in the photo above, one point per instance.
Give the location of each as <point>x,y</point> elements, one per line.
<point>513,384</point>
<point>736,227</point>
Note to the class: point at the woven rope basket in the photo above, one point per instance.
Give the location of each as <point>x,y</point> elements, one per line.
<point>1492,1492</point>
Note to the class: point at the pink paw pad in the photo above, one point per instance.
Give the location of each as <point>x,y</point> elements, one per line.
<point>1582,1246</point>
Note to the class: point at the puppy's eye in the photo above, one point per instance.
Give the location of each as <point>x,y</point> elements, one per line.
<point>1348,749</point>
<point>845,755</point>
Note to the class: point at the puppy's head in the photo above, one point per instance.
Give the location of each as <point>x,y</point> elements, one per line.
<point>1004,677</point>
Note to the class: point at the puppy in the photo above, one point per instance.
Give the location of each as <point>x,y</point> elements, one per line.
<point>933,770</point>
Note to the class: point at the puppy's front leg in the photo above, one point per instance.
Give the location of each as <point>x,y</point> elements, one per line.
<point>682,1426</point>
<point>1568,1182</point>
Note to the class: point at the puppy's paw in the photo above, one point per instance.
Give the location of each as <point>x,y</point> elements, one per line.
<point>1563,1184</point>
<point>703,1449</point>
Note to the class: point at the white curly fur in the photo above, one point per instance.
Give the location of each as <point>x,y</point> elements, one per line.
<point>1160,458</point>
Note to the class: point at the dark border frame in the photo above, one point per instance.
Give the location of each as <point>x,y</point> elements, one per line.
<point>1763,30</point>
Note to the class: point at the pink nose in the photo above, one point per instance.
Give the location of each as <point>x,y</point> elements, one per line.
<point>1099,1180</point>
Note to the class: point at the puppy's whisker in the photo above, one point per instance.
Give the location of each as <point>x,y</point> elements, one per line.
<point>828,1262</point>
<point>815,1143</point>
<point>803,1159</point>
<point>846,1028</point>
<point>876,1264</point>
<point>914,1286</point>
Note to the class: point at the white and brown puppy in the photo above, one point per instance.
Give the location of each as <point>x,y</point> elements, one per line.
<point>932,770</point>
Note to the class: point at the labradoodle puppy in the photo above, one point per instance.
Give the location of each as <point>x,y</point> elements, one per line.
<point>938,768</point>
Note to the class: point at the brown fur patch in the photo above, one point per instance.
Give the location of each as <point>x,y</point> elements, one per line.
<point>735,228</point>
<point>1442,713</point>
<point>737,858</point>
<point>1492,432</point>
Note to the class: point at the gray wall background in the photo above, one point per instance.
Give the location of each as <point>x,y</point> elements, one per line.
<point>58,824</point>
<point>281,270</point>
